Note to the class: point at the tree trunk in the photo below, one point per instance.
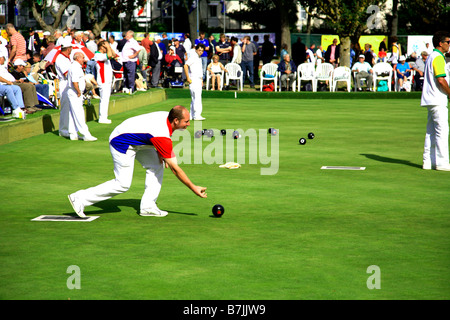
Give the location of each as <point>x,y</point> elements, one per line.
<point>394,22</point>
<point>98,26</point>
<point>308,24</point>
<point>193,25</point>
<point>59,14</point>
<point>344,54</point>
<point>284,21</point>
<point>56,15</point>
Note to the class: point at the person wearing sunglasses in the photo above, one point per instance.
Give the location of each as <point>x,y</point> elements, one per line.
<point>435,95</point>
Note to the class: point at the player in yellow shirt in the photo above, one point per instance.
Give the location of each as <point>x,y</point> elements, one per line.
<point>435,95</point>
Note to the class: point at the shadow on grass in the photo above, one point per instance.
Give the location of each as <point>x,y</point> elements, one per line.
<point>391,160</point>
<point>113,205</point>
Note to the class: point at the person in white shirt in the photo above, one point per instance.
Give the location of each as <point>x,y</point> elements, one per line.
<point>310,56</point>
<point>104,78</point>
<point>237,51</point>
<point>75,88</point>
<point>146,138</point>
<point>10,90</point>
<point>3,49</point>
<point>91,44</point>
<point>130,51</point>
<point>59,37</point>
<point>187,44</point>
<point>62,65</point>
<point>428,48</point>
<point>319,55</point>
<point>193,69</point>
<point>113,43</point>
<point>435,94</point>
<point>363,70</point>
<point>78,38</point>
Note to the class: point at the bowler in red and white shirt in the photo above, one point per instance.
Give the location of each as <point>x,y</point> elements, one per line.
<point>146,138</point>
<point>104,78</point>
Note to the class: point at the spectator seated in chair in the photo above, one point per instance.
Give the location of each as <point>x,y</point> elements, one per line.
<point>14,96</point>
<point>363,70</point>
<point>29,94</point>
<point>172,59</point>
<point>419,68</point>
<point>403,72</point>
<point>215,69</point>
<point>37,67</point>
<point>288,70</point>
<point>20,72</point>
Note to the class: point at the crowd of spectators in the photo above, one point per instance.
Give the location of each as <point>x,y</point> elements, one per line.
<point>150,63</point>
<point>407,70</point>
<point>143,64</point>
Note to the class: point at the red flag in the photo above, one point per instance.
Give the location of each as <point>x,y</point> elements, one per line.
<point>141,10</point>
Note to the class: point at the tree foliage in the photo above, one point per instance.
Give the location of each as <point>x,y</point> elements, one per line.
<point>423,16</point>
<point>345,17</point>
<point>96,13</point>
<point>264,14</point>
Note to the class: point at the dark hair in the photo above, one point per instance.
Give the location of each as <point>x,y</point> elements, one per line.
<point>234,39</point>
<point>176,113</point>
<point>440,36</point>
<point>200,45</point>
<point>101,43</point>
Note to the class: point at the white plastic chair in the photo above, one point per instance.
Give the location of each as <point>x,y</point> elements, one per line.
<point>324,72</point>
<point>269,72</point>
<point>342,74</point>
<point>382,71</point>
<point>117,78</point>
<point>234,73</point>
<point>306,72</point>
<point>208,79</point>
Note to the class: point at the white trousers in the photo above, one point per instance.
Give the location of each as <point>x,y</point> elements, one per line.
<point>123,171</point>
<point>105,94</point>
<point>436,138</point>
<point>66,124</point>
<point>77,112</point>
<point>196,98</point>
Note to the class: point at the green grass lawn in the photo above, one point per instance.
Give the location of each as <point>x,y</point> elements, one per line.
<point>302,233</point>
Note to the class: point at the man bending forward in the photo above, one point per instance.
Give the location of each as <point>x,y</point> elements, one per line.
<point>148,139</point>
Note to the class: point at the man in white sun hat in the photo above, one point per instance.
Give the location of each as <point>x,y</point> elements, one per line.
<point>62,65</point>
<point>363,70</point>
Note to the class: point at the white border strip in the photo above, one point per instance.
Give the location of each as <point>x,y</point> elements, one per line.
<point>342,168</point>
<point>58,218</point>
